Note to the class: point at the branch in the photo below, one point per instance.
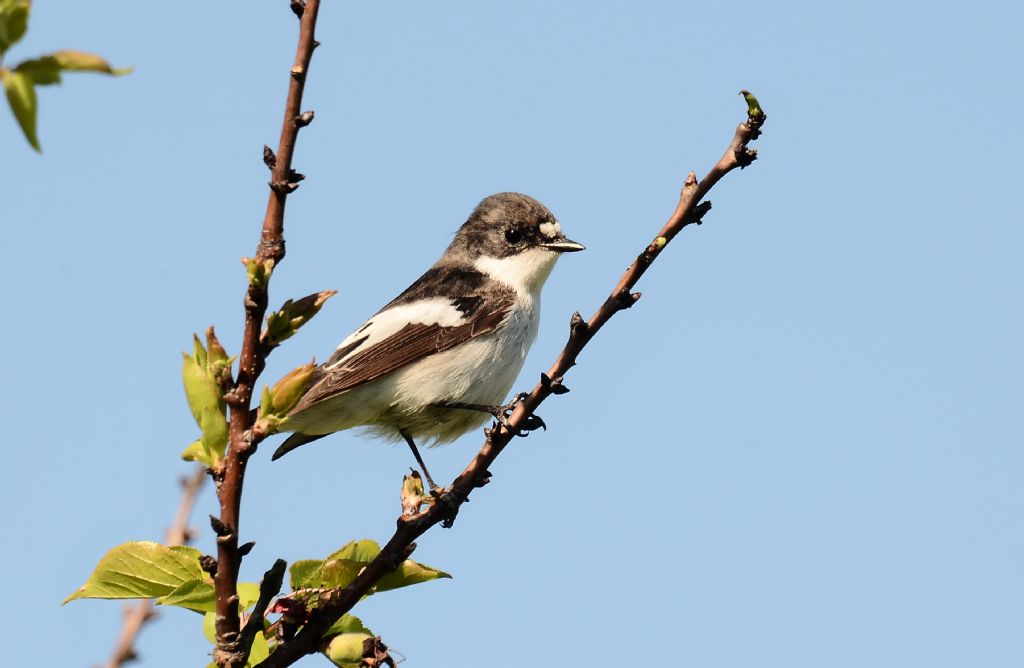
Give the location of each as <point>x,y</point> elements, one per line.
<point>232,646</point>
<point>136,616</point>
<point>335,603</point>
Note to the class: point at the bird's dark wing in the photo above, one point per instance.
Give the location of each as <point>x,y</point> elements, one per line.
<point>354,364</point>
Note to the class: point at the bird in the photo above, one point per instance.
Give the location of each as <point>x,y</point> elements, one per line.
<point>440,358</point>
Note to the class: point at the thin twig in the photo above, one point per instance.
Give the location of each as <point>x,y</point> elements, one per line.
<point>233,648</point>
<point>136,616</point>
<point>337,602</point>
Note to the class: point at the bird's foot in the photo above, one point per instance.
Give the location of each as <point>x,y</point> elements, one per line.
<point>532,422</point>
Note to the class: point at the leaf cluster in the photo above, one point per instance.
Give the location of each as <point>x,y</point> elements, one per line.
<point>20,81</point>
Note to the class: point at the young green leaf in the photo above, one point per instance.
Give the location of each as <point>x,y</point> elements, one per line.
<point>409,573</point>
<point>348,624</point>
<point>198,452</point>
<point>42,71</point>
<point>285,322</point>
<point>206,403</point>
<point>21,95</point>
<point>80,61</point>
<point>305,574</point>
<point>197,595</point>
<point>141,569</point>
<point>287,391</point>
<point>13,22</point>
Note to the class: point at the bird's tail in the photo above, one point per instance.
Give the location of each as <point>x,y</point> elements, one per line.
<point>294,441</point>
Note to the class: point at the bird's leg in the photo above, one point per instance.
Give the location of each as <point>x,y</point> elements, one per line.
<point>501,414</point>
<point>434,489</point>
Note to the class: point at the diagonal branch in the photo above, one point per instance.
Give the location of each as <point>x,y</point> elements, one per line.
<point>233,647</point>
<point>137,615</point>
<point>689,210</point>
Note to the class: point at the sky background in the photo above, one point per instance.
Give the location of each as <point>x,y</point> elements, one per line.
<point>802,448</point>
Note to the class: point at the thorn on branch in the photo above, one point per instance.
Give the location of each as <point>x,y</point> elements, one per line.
<point>269,159</point>
<point>298,7</point>
<point>315,43</point>
<point>304,119</point>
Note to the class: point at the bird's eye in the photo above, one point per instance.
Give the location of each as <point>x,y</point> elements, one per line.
<point>513,236</point>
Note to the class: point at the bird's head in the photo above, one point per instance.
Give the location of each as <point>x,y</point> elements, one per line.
<point>513,238</point>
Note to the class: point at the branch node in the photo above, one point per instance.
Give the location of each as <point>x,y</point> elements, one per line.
<point>304,119</point>
<point>283,187</point>
<point>298,7</point>
<point>269,159</point>
<point>220,528</point>
<point>246,548</point>
<point>298,73</point>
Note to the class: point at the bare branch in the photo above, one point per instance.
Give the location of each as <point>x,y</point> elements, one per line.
<point>335,603</point>
<point>232,646</point>
<point>136,615</point>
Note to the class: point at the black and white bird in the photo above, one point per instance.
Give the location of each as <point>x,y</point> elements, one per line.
<point>443,355</point>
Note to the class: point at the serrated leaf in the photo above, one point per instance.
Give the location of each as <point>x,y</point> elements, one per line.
<point>197,595</point>
<point>80,61</point>
<point>346,649</point>
<point>304,573</point>
<point>43,71</point>
<point>141,569</point>
<point>409,573</point>
<point>13,22</point>
<point>348,624</point>
<point>21,95</point>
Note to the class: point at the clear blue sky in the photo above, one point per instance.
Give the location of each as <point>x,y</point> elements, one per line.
<point>802,448</point>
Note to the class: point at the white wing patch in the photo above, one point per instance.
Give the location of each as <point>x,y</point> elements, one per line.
<point>437,310</point>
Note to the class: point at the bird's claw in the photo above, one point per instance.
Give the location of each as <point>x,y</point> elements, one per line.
<point>531,423</point>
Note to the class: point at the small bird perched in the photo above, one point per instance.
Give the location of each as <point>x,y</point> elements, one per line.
<point>443,355</point>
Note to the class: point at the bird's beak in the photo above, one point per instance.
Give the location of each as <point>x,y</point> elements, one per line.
<point>563,245</point>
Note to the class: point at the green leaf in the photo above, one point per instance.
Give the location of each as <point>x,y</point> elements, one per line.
<point>13,22</point>
<point>43,71</point>
<point>210,627</point>
<point>409,573</point>
<point>248,594</point>
<point>197,595</point>
<point>207,406</point>
<point>198,452</point>
<point>80,61</point>
<point>21,95</point>
<point>304,574</point>
<point>753,106</point>
<point>260,650</point>
<point>287,391</point>
<point>346,649</point>
<point>141,569</point>
<point>348,624</point>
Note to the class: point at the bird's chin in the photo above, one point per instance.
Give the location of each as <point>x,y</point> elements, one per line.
<point>526,271</point>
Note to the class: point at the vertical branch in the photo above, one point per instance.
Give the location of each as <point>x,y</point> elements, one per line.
<point>232,650</point>
<point>136,616</point>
